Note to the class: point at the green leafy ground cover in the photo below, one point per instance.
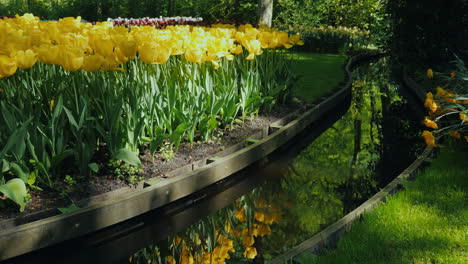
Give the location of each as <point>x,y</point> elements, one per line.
<point>425,223</point>
<point>319,73</point>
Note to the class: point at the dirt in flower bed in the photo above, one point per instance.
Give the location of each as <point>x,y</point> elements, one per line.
<point>81,188</point>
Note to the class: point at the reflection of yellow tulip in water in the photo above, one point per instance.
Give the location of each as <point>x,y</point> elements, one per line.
<point>72,44</point>
<point>190,249</point>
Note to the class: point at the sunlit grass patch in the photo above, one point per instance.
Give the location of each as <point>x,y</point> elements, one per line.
<point>425,223</point>
<point>319,73</point>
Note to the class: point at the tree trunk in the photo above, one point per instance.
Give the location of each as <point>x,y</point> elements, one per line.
<point>171,8</point>
<point>265,12</point>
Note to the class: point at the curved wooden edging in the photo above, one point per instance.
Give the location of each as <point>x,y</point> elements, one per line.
<point>331,234</point>
<point>28,237</point>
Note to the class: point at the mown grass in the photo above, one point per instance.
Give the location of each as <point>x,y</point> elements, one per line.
<point>425,223</point>
<point>319,73</point>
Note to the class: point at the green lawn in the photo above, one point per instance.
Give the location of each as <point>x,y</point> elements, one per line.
<point>425,223</point>
<point>318,73</point>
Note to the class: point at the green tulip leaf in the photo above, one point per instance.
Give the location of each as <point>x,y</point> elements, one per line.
<point>128,156</point>
<point>15,190</point>
<point>93,167</point>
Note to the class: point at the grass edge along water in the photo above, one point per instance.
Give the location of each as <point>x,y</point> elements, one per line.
<point>424,223</point>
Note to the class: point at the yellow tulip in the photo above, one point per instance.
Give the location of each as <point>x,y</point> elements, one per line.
<point>455,134</point>
<point>70,24</point>
<point>240,215</point>
<point>48,53</point>
<point>236,49</point>
<point>171,260</point>
<point>429,123</point>
<point>104,46</point>
<point>263,230</point>
<point>153,53</point>
<point>128,48</point>
<point>195,55</point>
<point>247,238</point>
<point>250,253</point>
<point>463,117</point>
<point>259,216</point>
<point>430,103</point>
<point>92,63</point>
<point>429,138</point>
<point>295,39</point>
<point>71,59</point>
<point>254,48</point>
<point>7,66</point>
<point>25,59</point>
<point>429,73</point>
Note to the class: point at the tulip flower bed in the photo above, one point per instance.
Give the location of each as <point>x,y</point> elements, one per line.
<point>69,90</point>
<point>448,108</point>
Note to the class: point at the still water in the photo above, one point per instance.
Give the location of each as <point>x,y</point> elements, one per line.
<point>361,152</point>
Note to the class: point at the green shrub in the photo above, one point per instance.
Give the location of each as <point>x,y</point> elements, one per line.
<point>333,39</point>
<point>365,15</point>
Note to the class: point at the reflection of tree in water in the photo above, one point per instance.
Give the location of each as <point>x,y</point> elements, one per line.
<point>336,172</point>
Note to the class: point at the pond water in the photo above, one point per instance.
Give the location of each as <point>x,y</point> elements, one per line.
<point>300,194</point>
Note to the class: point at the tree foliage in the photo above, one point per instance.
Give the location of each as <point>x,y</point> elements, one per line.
<point>98,10</point>
<point>428,32</point>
